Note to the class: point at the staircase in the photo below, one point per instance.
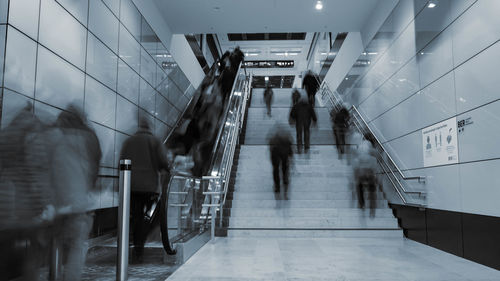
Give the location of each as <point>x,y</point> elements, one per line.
<point>322,200</point>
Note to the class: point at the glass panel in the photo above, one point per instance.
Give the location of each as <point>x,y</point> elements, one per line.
<point>148,67</point>
<point>148,38</point>
<point>130,49</point>
<point>174,94</point>
<point>101,62</point>
<point>3,29</point>
<point>149,117</point>
<point>3,10</point>
<point>162,54</point>
<point>61,33</point>
<point>126,116</point>
<point>120,139</point>
<point>131,18</point>
<point>161,130</point>
<point>100,103</point>
<point>106,138</point>
<point>161,79</point>
<point>78,8</point>
<point>58,83</point>
<point>48,114</point>
<point>163,109</point>
<point>114,5</point>
<point>104,24</point>
<point>128,82</point>
<point>173,115</point>
<point>11,105</point>
<point>20,63</point>
<point>23,14</point>
<point>147,97</point>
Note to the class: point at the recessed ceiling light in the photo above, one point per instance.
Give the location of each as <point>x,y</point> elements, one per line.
<point>216,8</point>
<point>319,5</point>
<point>431,4</point>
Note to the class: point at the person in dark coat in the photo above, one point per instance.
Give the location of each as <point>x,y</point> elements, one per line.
<point>340,128</point>
<point>280,145</point>
<point>302,114</point>
<point>268,99</point>
<point>295,96</point>
<point>311,85</point>
<point>148,159</point>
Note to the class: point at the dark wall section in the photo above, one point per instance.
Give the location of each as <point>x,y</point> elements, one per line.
<point>474,237</point>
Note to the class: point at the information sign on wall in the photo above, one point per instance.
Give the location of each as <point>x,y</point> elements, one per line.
<point>440,143</point>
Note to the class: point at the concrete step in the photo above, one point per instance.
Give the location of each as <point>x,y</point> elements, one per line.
<point>381,212</point>
<point>325,204</point>
<point>301,195</point>
<point>311,233</point>
<point>313,222</point>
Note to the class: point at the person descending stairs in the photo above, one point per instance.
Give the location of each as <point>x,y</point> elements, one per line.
<point>321,201</point>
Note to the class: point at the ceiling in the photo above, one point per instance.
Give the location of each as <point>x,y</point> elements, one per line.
<point>254,16</point>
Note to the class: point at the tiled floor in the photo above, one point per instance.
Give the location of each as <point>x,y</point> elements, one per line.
<point>343,259</point>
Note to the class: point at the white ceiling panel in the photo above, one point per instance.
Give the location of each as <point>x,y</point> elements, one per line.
<point>255,16</point>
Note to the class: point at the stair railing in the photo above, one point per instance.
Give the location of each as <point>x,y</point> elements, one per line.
<point>332,100</point>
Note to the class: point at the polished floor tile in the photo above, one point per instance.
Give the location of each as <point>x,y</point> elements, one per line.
<point>345,259</point>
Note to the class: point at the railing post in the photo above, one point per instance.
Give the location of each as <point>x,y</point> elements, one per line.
<point>213,211</point>
<point>55,260</point>
<point>123,220</point>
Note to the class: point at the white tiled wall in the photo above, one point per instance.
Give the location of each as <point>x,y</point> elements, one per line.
<point>435,64</point>
<point>99,54</point>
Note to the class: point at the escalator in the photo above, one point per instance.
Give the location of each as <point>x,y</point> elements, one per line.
<point>181,220</point>
<point>192,195</point>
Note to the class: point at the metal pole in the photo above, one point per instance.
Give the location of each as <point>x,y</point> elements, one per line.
<point>123,220</point>
<point>55,260</point>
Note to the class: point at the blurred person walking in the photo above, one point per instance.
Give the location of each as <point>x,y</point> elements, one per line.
<point>75,166</point>
<point>149,158</point>
<point>301,115</point>
<point>268,99</point>
<point>26,199</point>
<point>340,129</point>
<point>280,146</point>
<point>295,96</point>
<point>364,166</point>
<point>311,85</point>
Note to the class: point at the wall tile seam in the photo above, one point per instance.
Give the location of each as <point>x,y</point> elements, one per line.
<point>36,54</point>
<point>78,68</point>
<point>438,78</point>
<point>71,14</point>
<point>445,165</point>
<point>4,55</point>
<point>456,114</point>
<point>90,31</point>
<point>85,63</point>
<point>111,10</point>
<point>67,61</point>
<point>93,121</point>
<point>386,50</point>
<point>416,54</point>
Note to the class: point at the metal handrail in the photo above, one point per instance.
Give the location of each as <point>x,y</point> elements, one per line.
<point>221,129</point>
<point>336,102</point>
<point>419,178</point>
<point>223,152</point>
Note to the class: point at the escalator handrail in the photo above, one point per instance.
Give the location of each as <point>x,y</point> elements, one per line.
<point>224,117</point>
